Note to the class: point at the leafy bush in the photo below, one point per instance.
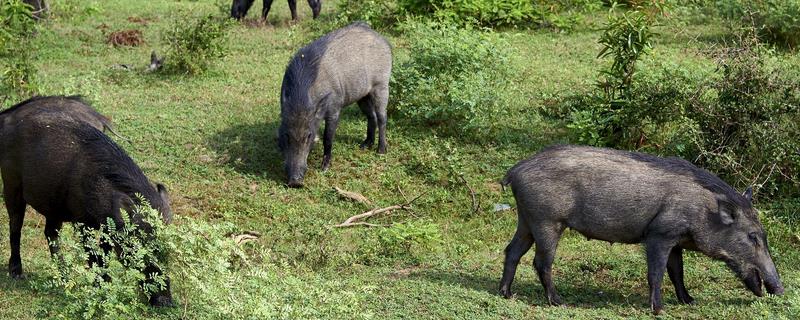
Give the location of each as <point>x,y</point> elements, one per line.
<point>739,119</point>
<point>606,119</point>
<point>453,77</point>
<point>379,14</point>
<point>543,13</point>
<point>17,26</point>
<point>194,45</point>
<point>776,21</point>
<point>209,267</point>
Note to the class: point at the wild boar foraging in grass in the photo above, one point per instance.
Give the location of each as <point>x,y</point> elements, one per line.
<point>349,65</point>
<point>667,204</point>
<point>69,171</point>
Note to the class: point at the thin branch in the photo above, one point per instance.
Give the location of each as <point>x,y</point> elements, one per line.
<point>475,204</point>
<point>353,221</point>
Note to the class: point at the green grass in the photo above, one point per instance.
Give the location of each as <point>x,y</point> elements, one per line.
<point>211,140</point>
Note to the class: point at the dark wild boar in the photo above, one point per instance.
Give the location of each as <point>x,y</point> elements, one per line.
<point>349,65</point>
<point>71,172</point>
<point>71,106</point>
<point>239,8</point>
<point>667,204</point>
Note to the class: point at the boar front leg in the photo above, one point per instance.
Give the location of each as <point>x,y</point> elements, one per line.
<point>331,122</point>
<point>675,272</point>
<point>658,251</point>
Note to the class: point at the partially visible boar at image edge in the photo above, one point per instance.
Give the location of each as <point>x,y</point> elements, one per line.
<point>349,65</point>
<point>667,204</point>
<point>69,171</point>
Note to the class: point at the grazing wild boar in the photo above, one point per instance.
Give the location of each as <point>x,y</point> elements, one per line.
<point>349,65</point>
<point>69,171</point>
<point>239,8</point>
<point>667,204</point>
<point>71,106</point>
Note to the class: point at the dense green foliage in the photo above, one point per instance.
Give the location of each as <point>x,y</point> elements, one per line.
<point>454,77</point>
<point>193,45</point>
<point>777,21</point>
<point>466,103</point>
<point>18,74</point>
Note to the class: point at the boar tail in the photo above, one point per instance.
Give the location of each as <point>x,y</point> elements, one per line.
<point>506,181</point>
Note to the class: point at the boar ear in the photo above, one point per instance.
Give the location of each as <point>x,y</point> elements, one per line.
<point>727,212</point>
<point>748,194</point>
<point>167,215</point>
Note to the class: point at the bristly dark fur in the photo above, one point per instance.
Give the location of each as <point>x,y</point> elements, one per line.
<point>114,164</point>
<point>673,165</point>
<point>706,179</point>
<point>77,98</point>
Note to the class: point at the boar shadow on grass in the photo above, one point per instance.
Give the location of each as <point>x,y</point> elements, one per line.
<point>581,294</point>
<point>250,149</point>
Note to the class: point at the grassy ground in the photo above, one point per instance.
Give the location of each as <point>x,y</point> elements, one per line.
<point>210,139</point>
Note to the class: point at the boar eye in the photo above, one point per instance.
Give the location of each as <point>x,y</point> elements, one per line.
<point>753,237</point>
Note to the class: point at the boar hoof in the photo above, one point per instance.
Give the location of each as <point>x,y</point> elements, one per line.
<point>365,145</point>
<point>382,150</point>
<point>16,272</point>
<point>687,300</point>
<point>554,300</point>
<point>506,293</point>
<point>656,311</point>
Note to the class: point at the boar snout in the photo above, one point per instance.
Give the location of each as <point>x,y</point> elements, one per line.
<point>295,182</point>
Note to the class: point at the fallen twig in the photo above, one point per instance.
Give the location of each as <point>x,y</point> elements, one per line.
<point>475,204</point>
<point>353,221</point>
<point>357,197</point>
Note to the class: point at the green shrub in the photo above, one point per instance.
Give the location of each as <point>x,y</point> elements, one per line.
<point>17,26</point>
<point>738,119</point>
<point>380,14</point>
<point>776,21</point>
<point>454,77</point>
<point>610,114</point>
<point>194,45</point>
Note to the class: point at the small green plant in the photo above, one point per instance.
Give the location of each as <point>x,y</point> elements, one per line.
<point>611,118</point>
<point>114,288</point>
<point>407,239</point>
<point>193,45</point>
<point>454,76</point>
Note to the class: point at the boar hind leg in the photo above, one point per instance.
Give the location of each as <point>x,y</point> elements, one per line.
<point>316,7</point>
<point>675,271</point>
<point>293,9</point>
<point>546,237</point>
<point>519,245</point>
<point>367,108</point>
<point>327,140</point>
<point>658,251</point>
<point>380,98</point>
<point>15,205</point>
<point>265,9</point>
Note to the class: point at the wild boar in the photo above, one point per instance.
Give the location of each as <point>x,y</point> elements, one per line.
<point>348,65</point>
<point>69,171</point>
<point>667,204</point>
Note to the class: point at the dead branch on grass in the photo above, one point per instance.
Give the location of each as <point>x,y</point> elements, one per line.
<point>353,221</point>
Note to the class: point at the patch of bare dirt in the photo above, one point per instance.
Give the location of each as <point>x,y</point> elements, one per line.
<point>125,38</point>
